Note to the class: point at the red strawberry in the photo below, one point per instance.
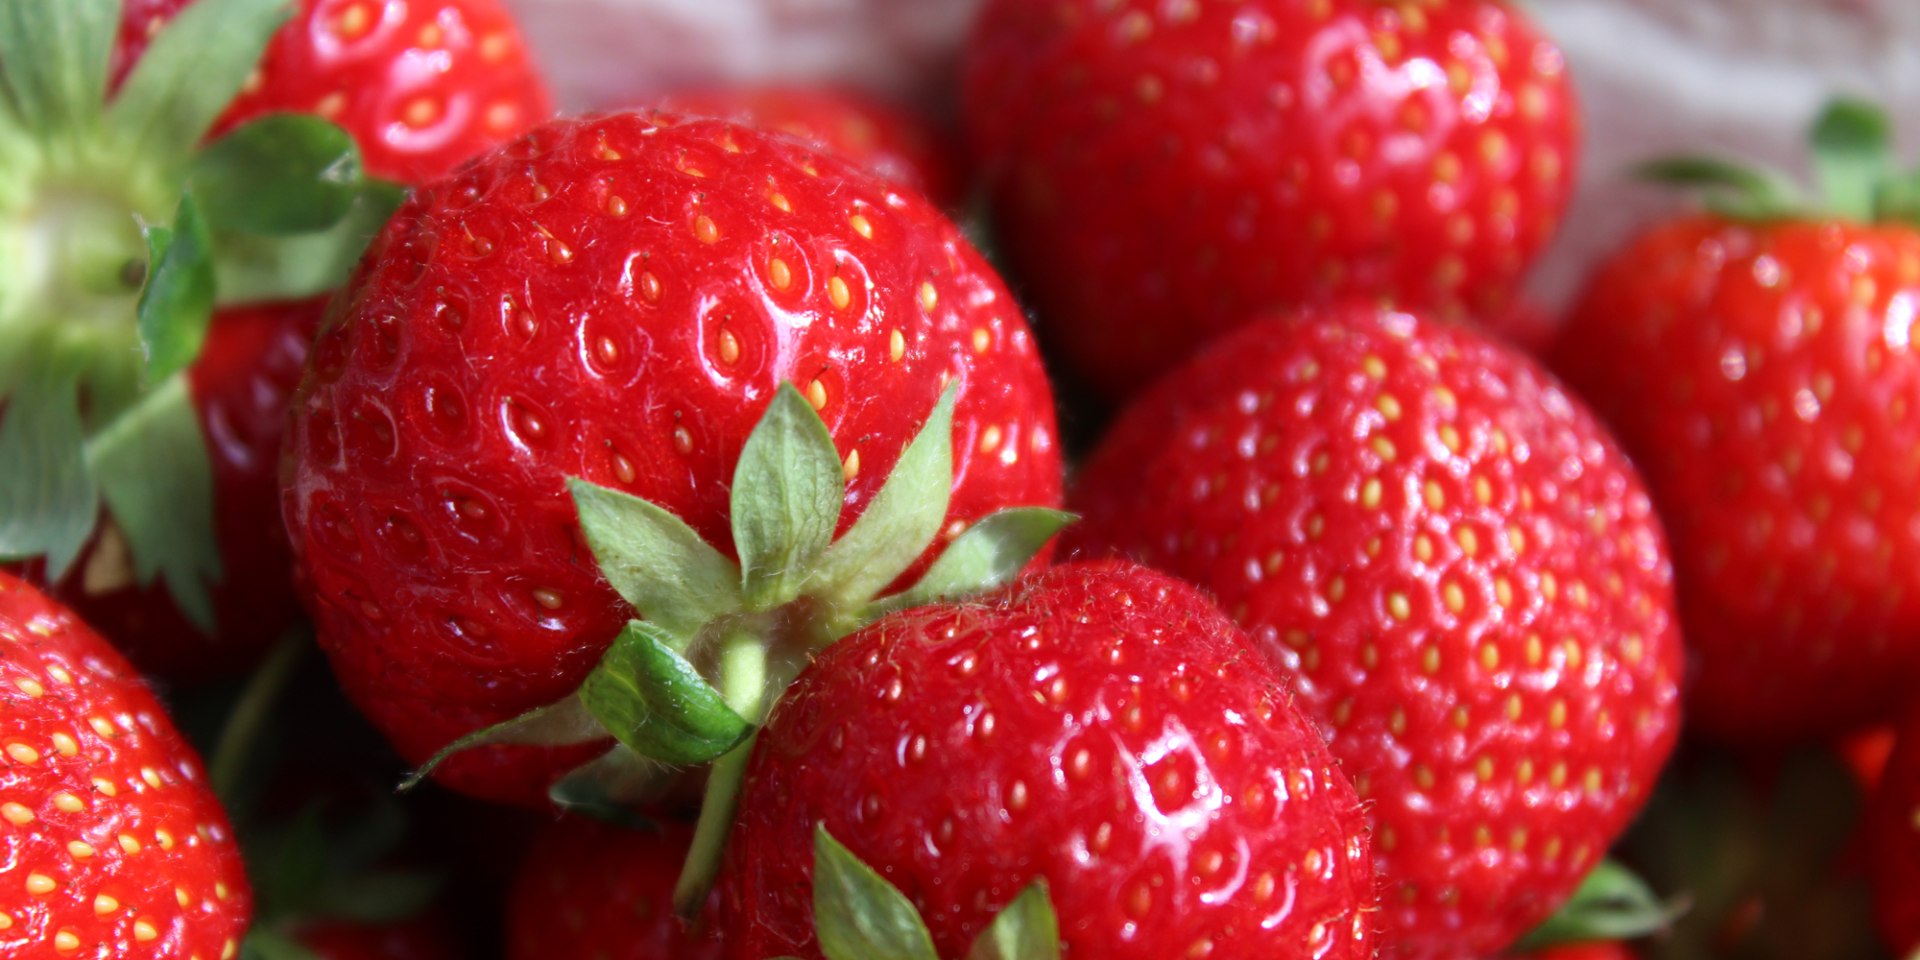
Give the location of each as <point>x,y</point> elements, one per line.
<point>1892,834</point>
<point>187,568</point>
<point>1100,727</point>
<point>1456,566</point>
<point>1162,171</point>
<point>115,845</point>
<point>618,300</point>
<point>591,890</point>
<point>858,129</point>
<point>1760,372</point>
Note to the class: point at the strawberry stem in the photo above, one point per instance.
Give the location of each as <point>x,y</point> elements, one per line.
<point>744,683</point>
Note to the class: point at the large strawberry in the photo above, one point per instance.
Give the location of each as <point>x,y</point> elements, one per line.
<point>1101,728</point>
<point>114,845</point>
<point>616,302</point>
<point>592,890</point>
<point>1757,363</point>
<point>1893,837</point>
<point>1458,569</point>
<point>186,568</point>
<point>1162,171</point>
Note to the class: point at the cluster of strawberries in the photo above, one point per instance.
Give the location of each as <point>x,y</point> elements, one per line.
<point>686,474</point>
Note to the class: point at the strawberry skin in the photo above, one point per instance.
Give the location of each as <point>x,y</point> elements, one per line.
<point>1101,726</point>
<point>421,84</point>
<point>1160,172</point>
<point>1892,835</point>
<point>115,847</point>
<point>1762,378</point>
<point>593,890</point>
<point>1462,575</point>
<point>615,299</point>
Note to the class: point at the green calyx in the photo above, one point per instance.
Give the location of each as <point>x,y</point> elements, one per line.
<point>1612,903</point>
<point>1854,171</point>
<point>720,640</point>
<point>121,230</point>
<point>858,915</point>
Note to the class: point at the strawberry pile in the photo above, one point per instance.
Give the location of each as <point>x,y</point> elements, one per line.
<point>727,560</point>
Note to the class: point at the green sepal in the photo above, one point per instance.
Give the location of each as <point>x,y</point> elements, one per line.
<point>988,555</point>
<point>1026,929</point>
<point>656,703</point>
<point>1734,191</point>
<point>176,303</point>
<point>857,914</point>
<point>655,561</point>
<point>49,497</point>
<point>263,943</point>
<point>53,61</point>
<point>900,522</point>
<point>1852,157</point>
<point>191,72</point>
<point>1612,903</point>
<point>608,788</point>
<point>562,723</point>
<point>157,477</point>
<point>282,174</point>
<point>255,269</point>
<point>786,498</point>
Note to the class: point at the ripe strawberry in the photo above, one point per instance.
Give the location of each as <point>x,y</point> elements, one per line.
<point>115,845</point>
<point>1100,727</point>
<point>592,890</point>
<point>1162,171</point>
<point>1759,370</point>
<point>860,130</point>
<point>618,300</point>
<point>1892,833</point>
<point>187,476</point>
<point>1459,571</point>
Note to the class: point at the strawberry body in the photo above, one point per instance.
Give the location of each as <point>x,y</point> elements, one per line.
<point>591,890</point>
<point>1160,172</point>
<point>1460,573</point>
<point>115,848</point>
<point>1762,378</point>
<point>421,84</point>
<point>616,299</point>
<point>1892,835</point>
<point>1101,726</point>
<point>858,129</point>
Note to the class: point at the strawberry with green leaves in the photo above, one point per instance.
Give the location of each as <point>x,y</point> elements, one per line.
<point>1100,731</point>
<point>114,845</point>
<point>1757,362</point>
<point>168,222</point>
<point>1162,170</point>
<point>1458,570</point>
<point>619,425</point>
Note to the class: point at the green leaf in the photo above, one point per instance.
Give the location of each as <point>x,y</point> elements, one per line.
<point>176,305</point>
<point>1612,903</point>
<point>610,787</point>
<point>988,555</point>
<point>1026,930</point>
<point>1852,155</point>
<point>1736,191</point>
<point>559,724</point>
<point>375,898</point>
<point>286,173</point>
<point>264,943</point>
<point>253,269</point>
<point>857,913</point>
<point>651,699</point>
<point>154,469</point>
<point>655,561</point>
<point>901,521</point>
<point>49,498</point>
<point>53,60</point>
<point>786,498</point>
<point>190,73</point>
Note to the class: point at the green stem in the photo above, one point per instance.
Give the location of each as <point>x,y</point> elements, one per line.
<point>248,720</point>
<point>743,682</point>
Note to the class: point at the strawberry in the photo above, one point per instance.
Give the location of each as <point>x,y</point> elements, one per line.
<point>1162,171</point>
<point>593,890</point>
<point>1459,571</point>
<point>1892,834</point>
<point>1101,728</point>
<point>858,129</point>
<point>601,312</point>
<point>115,845</point>
<point>186,567</point>
<point>1755,361</point>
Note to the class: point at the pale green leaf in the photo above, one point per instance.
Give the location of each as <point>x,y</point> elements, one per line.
<point>655,561</point>
<point>53,61</point>
<point>1025,930</point>
<point>557,724</point>
<point>988,555</point>
<point>49,498</point>
<point>190,74</point>
<point>176,304</point>
<point>651,699</point>
<point>857,913</point>
<point>283,174</point>
<point>786,498</point>
<point>900,522</point>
